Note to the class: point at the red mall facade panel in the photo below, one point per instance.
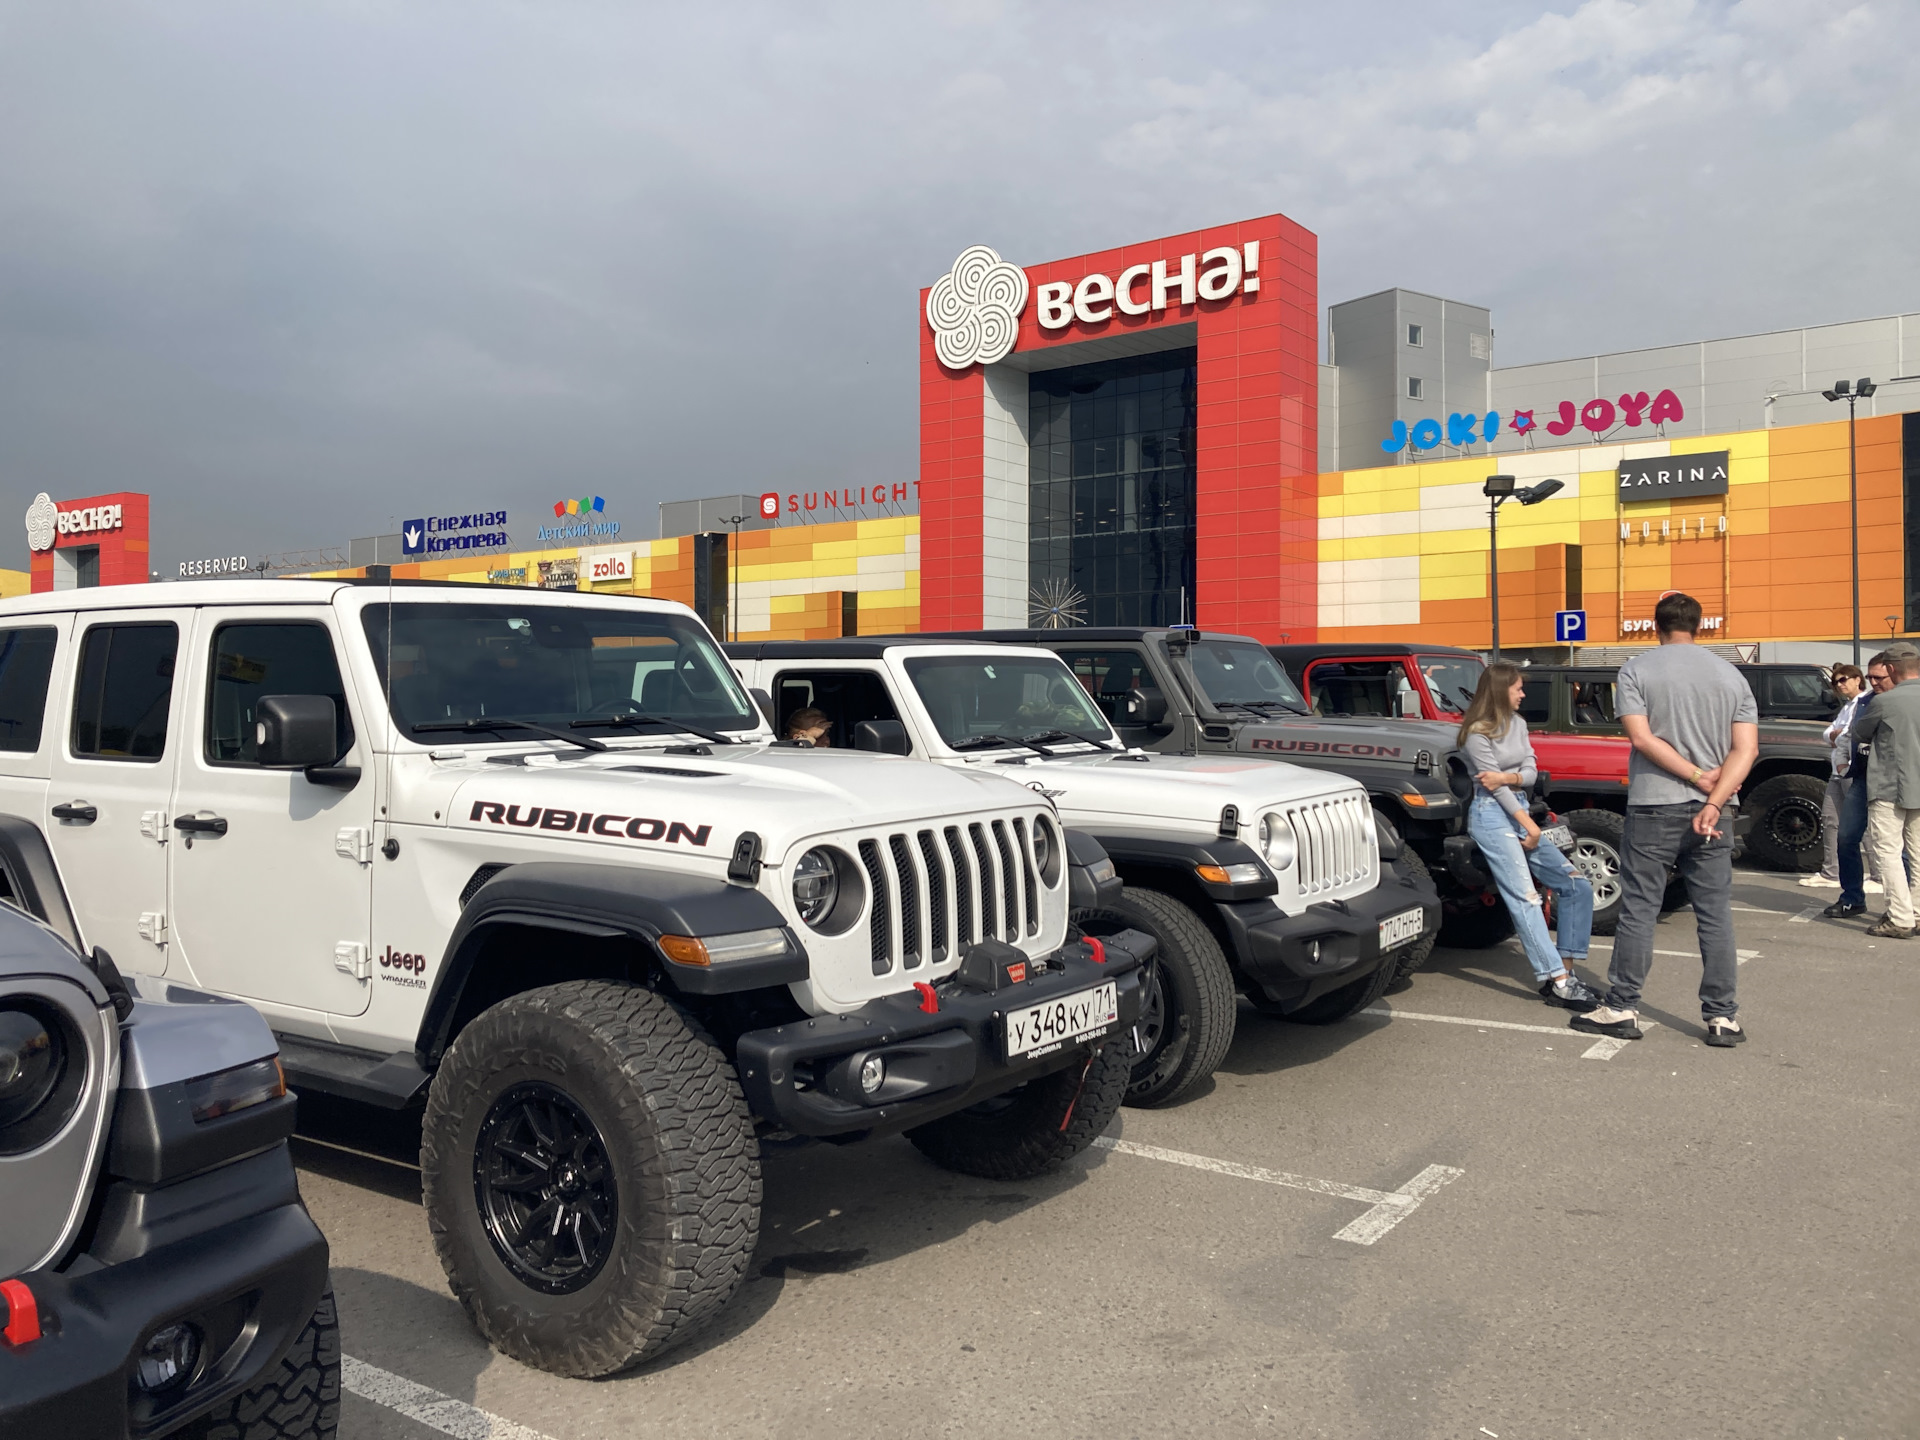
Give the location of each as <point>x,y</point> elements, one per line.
<point>100,540</point>
<point>1129,435</point>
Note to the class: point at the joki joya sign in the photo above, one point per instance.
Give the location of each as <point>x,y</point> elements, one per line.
<point>1597,416</point>
<point>974,309</point>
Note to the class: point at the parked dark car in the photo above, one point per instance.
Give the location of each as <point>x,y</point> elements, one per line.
<point>1792,692</point>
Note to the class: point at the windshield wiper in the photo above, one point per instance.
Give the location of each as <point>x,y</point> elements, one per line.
<point>981,742</point>
<point>623,720</point>
<point>1057,736</point>
<point>481,723</point>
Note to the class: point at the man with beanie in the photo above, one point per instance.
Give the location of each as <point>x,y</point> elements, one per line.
<point>1696,733</point>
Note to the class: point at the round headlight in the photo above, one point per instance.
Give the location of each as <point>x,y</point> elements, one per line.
<point>42,1067</point>
<point>1276,841</point>
<point>816,885</point>
<point>1045,855</point>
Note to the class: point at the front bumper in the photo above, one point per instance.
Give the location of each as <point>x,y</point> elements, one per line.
<point>1295,959</point>
<point>249,1284</point>
<point>802,1076</point>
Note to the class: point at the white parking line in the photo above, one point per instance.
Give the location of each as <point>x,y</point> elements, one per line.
<point>1805,917</point>
<point>1604,1048</point>
<point>432,1409</point>
<point>1388,1207</point>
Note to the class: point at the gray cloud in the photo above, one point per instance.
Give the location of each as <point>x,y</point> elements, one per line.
<point>302,271</point>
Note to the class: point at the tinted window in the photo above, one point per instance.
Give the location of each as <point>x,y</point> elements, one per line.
<point>1109,676</point>
<point>126,688</point>
<point>552,665</point>
<point>1361,687</point>
<point>1239,672</point>
<point>250,661</point>
<point>845,697</point>
<point>1536,701</point>
<point>26,664</point>
<point>1593,702</point>
<point>1020,696</point>
<point>1798,687</point>
<point>1451,679</point>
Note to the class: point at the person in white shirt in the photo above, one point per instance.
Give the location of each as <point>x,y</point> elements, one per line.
<point>1851,688</point>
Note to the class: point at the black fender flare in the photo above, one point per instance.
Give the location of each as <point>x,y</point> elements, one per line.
<point>28,862</point>
<point>1187,855</point>
<point>608,902</point>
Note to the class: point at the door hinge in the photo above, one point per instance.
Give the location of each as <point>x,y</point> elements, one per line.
<point>153,926</point>
<point>351,957</point>
<point>354,843</point>
<point>153,825</point>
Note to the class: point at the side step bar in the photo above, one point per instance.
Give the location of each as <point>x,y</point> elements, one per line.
<point>390,1081</point>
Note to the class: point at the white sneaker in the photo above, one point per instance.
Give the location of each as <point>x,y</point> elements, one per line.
<point>1873,887</point>
<point>1819,882</point>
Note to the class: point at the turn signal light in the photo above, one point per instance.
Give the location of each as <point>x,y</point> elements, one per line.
<point>1229,874</point>
<point>1417,801</point>
<point>770,943</point>
<point>685,950</point>
<point>240,1088</point>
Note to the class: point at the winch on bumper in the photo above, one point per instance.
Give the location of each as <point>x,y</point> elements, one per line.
<point>1298,958</point>
<point>907,1059</point>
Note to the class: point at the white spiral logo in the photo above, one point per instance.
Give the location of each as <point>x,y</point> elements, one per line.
<point>975,307</point>
<point>43,520</point>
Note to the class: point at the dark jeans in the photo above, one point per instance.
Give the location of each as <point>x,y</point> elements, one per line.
<point>1853,829</point>
<point>1657,837</point>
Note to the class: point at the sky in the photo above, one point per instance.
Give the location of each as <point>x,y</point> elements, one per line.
<point>304,270</point>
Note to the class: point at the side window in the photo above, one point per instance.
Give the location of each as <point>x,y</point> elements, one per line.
<point>1536,701</point>
<point>1593,702</point>
<point>1109,676</point>
<point>125,691</point>
<point>845,697</point>
<point>1361,687</point>
<point>253,659</point>
<point>1797,687</point>
<point>26,667</point>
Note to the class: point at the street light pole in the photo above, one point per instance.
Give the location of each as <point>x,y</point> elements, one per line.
<point>733,574</point>
<point>1497,489</point>
<point>1852,393</point>
<point>1493,559</point>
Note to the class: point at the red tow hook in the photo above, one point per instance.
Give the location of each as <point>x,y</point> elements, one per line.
<point>929,1002</point>
<point>21,1311</point>
<point>1099,950</point>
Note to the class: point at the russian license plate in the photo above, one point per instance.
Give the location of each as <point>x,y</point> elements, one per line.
<point>1558,836</point>
<point>1042,1029</point>
<point>1399,929</point>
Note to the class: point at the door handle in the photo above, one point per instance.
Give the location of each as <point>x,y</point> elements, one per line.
<point>76,810</point>
<point>200,825</point>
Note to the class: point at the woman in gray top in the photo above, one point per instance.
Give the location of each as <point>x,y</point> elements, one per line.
<point>1495,739</point>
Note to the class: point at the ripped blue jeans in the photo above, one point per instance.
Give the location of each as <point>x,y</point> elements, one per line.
<point>1516,870</point>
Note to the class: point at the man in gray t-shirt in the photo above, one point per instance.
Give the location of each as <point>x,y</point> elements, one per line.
<point>1695,732</point>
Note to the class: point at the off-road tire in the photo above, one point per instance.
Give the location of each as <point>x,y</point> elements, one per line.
<point>1476,925</point>
<point>1421,951</point>
<point>1785,834</point>
<point>298,1400</point>
<point>1196,992</point>
<point>1033,1129</point>
<point>1599,849</point>
<point>679,1144</point>
<point>1335,1005</point>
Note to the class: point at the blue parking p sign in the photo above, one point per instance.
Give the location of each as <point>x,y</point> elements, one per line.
<point>1570,626</point>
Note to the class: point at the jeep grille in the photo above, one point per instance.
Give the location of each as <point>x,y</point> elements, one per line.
<point>1336,842</point>
<point>968,882</point>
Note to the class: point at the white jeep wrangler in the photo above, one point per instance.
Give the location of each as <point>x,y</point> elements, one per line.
<point>537,856</point>
<point>1249,873</point>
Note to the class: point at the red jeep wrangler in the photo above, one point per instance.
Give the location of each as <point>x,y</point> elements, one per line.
<point>1586,774</point>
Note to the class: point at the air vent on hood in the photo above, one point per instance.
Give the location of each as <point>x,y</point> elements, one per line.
<point>669,770</point>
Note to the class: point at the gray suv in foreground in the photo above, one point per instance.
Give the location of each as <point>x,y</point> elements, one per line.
<point>158,1272</point>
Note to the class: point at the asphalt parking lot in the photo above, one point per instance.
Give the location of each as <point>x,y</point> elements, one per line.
<point>1457,1219</point>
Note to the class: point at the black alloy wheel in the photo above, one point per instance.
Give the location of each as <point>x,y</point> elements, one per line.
<point>1786,814</point>
<point>545,1187</point>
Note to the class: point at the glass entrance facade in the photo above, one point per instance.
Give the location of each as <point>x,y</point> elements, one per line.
<point>1111,491</point>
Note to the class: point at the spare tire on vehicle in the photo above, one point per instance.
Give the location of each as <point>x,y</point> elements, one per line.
<point>1597,851</point>
<point>1785,833</point>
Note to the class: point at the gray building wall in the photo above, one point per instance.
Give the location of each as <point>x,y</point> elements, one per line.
<point>697,517</point>
<point>1329,418</point>
<point>1368,343</point>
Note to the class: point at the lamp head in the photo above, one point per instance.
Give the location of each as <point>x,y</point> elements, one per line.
<point>1842,387</point>
<point>1498,487</point>
<point>1830,394</point>
<point>1534,494</point>
<point>1864,387</point>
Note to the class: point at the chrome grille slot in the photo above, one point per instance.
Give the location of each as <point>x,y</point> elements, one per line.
<point>908,878</point>
<point>880,916</point>
<point>988,929</point>
<point>1009,884</point>
<point>963,889</point>
<point>1332,838</point>
<point>937,891</point>
<point>1030,883</point>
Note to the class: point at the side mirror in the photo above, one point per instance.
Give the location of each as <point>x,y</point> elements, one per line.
<point>291,732</point>
<point>1146,706</point>
<point>765,701</point>
<point>888,737</point>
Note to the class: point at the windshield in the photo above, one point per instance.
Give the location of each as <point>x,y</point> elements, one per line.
<point>1021,697</point>
<point>550,665</point>
<point>1239,672</point>
<point>1452,679</point>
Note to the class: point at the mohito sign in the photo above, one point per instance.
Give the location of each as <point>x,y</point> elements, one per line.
<point>47,521</point>
<point>974,309</point>
<point>1597,416</point>
<point>1674,477</point>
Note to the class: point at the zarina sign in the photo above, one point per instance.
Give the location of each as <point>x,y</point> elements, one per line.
<point>974,309</point>
<point>1674,477</point>
<point>1597,416</point>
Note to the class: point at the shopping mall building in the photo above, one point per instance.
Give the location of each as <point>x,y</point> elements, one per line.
<point>1148,435</point>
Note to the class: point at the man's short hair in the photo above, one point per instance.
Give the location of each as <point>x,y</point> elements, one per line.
<point>1677,612</point>
<point>1845,672</point>
<point>1883,660</point>
<point>1906,666</point>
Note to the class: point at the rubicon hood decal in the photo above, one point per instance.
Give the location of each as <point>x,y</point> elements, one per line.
<point>614,827</point>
